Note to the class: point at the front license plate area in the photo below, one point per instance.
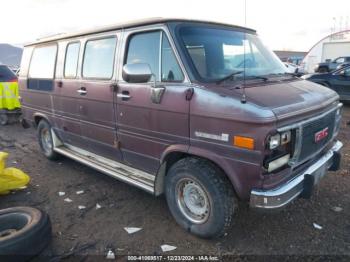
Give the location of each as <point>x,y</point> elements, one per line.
<point>310,180</point>
<point>319,173</point>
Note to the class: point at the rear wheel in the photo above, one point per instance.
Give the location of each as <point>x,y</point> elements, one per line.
<point>46,141</point>
<point>3,119</point>
<point>200,197</point>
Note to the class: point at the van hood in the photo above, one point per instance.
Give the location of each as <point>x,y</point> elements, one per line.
<point>283,100</point>
<point>291,98</point>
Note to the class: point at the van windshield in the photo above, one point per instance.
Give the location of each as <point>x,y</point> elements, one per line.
<point>216,53</point>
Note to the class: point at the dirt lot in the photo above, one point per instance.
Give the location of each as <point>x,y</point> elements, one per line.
<point>93,231</point>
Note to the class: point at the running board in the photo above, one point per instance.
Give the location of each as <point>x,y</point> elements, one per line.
<point>109,167</point>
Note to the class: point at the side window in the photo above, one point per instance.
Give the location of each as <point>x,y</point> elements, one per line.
<point>99,58</point>
<point>71,62</point>
<point>42,68</point>
<point>340,60</point>
<point>43,62</point>
<point>144,48</point>
<point>171,71</point>
<point>347,71</point>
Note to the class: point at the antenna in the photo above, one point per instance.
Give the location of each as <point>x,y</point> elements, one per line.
<point>244,99</point>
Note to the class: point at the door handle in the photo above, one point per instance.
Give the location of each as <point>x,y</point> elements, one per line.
<point>82,91</point>
<point>125,95</point>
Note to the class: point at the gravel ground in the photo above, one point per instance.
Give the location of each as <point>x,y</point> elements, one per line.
<point>92,231</point>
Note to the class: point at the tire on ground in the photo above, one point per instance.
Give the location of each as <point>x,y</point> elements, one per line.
<point>217,187</point>
<point>24,233</point>
<point>44,128</point>
<point>3,119</point>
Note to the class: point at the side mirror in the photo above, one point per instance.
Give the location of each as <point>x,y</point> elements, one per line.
<point>137,73</point>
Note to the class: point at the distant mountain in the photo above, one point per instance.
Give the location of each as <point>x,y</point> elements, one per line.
<point>10,55</point>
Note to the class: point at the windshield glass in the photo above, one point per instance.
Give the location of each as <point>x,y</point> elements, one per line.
<point>217,53</point>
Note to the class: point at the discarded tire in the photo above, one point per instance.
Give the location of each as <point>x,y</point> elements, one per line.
<point>24,233</point>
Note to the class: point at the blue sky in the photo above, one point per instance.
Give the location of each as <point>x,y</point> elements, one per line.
<point>282,24</point>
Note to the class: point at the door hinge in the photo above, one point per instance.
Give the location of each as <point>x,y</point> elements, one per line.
<point>114,87</point>
<point>189,93</point>
<point>116,143</point>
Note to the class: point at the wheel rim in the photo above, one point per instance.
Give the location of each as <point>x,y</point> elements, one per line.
<point>12,224</point>
<point>193,201</point>
<point>46,140</point>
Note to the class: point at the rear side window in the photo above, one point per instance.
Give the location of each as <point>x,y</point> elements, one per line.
<point>42,65</point>
<point>99,58</point>
<point>6,75</point>
<point>71,62</point>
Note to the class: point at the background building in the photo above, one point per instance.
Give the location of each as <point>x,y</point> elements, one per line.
<point>328,48</point>
<point>294,57</point>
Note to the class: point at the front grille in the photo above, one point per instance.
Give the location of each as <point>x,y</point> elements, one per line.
<point>309,146</point>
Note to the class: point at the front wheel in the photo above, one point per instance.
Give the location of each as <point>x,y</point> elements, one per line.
<point>200,197</point>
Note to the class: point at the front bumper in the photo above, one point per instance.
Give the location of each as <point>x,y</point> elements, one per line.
<point>301,184</point>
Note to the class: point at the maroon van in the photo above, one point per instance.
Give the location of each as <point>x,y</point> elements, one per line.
<point>200,111</point>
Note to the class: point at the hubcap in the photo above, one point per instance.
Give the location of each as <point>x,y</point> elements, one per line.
<point>46,140</point>
<point>193,201</point>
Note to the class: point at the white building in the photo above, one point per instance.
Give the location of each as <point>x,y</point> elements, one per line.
<point>330,47</point>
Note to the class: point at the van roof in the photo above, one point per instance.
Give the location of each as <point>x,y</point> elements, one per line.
<point>128,24</point>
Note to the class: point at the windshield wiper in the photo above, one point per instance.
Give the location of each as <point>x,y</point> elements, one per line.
<point>257,77</point>
<point>291,74</point>
<point>230,76</point>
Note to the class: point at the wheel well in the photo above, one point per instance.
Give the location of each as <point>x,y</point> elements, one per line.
<point>170,160</point>
<point>37,119</point>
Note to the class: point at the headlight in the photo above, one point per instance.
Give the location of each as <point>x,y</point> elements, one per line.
<point>275,141</point>
<point>286,137</point>
<point>279,139</point>
<point>279,162</point>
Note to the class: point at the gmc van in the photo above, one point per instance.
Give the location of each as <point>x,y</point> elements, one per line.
<point>200,111</point>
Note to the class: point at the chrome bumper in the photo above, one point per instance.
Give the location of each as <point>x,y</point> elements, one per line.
<point>281,196</point>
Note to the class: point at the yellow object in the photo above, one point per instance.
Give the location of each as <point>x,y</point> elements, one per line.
<point>9,96</point>
<point>243,142</point>
<point>11,178</point>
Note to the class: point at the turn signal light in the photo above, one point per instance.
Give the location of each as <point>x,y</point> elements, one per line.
<point>243,142</point>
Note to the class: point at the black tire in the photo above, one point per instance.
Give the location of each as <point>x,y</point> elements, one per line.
<point>46,141</point>
<point>210,186</point>
<point>24,233</point>
<point>3,119</point>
